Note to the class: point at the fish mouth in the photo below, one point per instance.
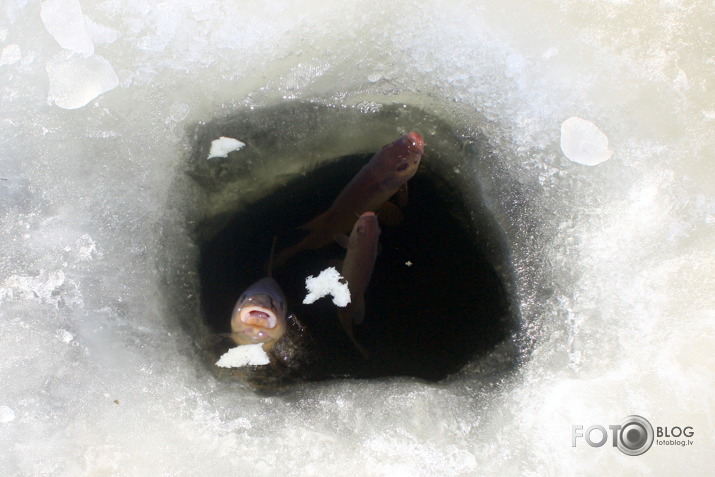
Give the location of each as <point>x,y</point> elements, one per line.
<point>416,143</point>
<point>258,316</point>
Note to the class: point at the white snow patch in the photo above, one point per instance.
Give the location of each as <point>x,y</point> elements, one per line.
<point>222,146</point>
<point>245,355</point>
<point>583,142</point>
<point>328,282</point>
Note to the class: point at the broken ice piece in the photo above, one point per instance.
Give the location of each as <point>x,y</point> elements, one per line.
<point>328,282</point>
<point>6,414</point>
<point>76,80</point>
<point>222,146</point>
<point>65,22</point>
<point>583,142</point>
<point>245,355</point>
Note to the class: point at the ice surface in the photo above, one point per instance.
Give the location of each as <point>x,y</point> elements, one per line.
<point>222,146</point>
<point>245,355</point>
<point>613,266</point>
<point>328,282</point>
<point>583,142</point>
<point>75,81</point>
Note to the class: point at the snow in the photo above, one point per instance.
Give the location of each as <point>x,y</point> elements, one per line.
<point>245,355</point>
<point>222,146</point>
<point>328,282</point>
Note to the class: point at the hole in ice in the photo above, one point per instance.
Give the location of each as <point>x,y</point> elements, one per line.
<point>434,302</point>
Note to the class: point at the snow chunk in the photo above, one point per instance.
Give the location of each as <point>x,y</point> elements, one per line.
<point>222,146</point>
<point>65,22</point>
<point>6,414</point>
<point>583,142</point>
<point>75,81</point>
<point>244,355</point>
<point>328,282</point>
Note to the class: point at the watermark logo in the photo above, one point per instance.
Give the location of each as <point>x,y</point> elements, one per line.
<point>634,435</point>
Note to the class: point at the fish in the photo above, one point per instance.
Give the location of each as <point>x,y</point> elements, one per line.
<point>362,248</point>
<point>385,175</point>
<point>259,315</point>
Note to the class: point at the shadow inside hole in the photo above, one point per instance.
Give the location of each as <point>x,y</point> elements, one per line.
<point>434,301</point>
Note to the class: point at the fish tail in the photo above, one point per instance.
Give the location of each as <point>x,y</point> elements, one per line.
<point>346,320</point>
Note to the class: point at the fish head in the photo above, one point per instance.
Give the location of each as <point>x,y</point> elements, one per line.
<point>365,231</point>
<point>400,159</point>
<point>260,314</point>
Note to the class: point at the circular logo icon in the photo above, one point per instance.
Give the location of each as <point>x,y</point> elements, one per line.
<point>636,435</point>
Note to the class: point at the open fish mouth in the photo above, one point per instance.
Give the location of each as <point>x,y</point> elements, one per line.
<point>259,316</point>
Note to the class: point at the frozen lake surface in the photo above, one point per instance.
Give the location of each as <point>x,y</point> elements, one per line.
<point>585,127</point>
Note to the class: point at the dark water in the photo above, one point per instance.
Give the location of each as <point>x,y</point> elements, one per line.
<point>426,320</point>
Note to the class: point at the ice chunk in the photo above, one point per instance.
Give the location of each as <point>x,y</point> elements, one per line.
<point>244,355</point>
<point>10,54</point>
<point>583,142</point>
<point>43,287</point>
<point>6,414</point>
<point>222,146</point>
<point>75,81</point>
<point>99,34</point>
<point>65,22</point>
<point>65,336</point>
<point>328,282</point>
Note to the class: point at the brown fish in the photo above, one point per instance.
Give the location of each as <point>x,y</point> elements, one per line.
<point>357,270</point>
<point>260,313</point>
<point>383,176</point>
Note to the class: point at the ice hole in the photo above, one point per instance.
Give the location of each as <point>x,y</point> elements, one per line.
<point>436,301</point>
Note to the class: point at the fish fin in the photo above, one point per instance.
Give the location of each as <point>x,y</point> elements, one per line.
<point>401,195</point>
<point>293,319</point>
<point>389,214</point>
<point>342,239</point>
